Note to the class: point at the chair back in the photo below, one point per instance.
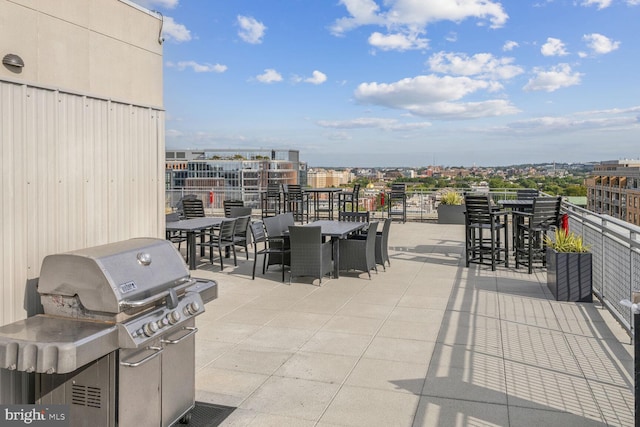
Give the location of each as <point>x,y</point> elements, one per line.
<point>356,190</point>
<point>546,212</point>
<point>192,208</point>
<point>371,240</point>
<point>229,204</point>
<point>273,189</point>
<point>477,209</point>
<point>301,236</point>
<point>257,231</point>
<point>172,217</point>
<point>238,211</point>
<point>353,216</point>
<point>242,225</point>
<point>526,194</point>
<point>227,230</point>
<point>398,188</point>
<point>386,227</point>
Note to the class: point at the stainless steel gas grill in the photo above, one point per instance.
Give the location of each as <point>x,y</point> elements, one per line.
<point>116,342</point>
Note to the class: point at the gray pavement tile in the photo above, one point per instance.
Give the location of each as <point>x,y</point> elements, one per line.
<point>360,406</point>
<point>437,412</point>
<point>290,397</point>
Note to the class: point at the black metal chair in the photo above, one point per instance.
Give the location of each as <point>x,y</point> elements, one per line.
<point>310,256</point>
<point>359,254</point>
<point>260,238</point>
<point>296,201</point>
<point>397,196</point>
<point>175,236</point>
<point>222,239</point>
<point>531,228</point>
<point>351,197</point>
<point>353,216</point>
<point>192,208</point>
<point>241,232</point>
<point>271,200</point>
<point>483,227</point>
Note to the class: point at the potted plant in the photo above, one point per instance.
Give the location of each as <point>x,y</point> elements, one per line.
<point>451,209</point>
<point>568,267</point>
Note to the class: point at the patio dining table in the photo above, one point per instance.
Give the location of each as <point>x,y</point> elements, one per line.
<point>336,230</point>
<point>193,227</point>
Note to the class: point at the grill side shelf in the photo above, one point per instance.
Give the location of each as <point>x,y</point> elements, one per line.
<point>49,345</point>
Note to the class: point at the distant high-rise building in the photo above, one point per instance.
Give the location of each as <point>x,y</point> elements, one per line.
<point>614,189</point>
<point>240,171</point>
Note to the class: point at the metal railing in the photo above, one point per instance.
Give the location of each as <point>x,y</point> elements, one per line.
<point>614,244</point>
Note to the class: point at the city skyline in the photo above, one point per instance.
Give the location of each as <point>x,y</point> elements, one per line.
<point>404,83</point>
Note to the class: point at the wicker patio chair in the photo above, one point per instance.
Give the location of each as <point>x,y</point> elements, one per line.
<point>359,254</point>
<point>309,255</point>
<point>277,228</point>
<point>229,204</point>
<point>382,243</point>
<point>268,249</point>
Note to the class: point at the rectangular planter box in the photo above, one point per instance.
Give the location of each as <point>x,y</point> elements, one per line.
<point>451,214</point>
<point>569,276</point>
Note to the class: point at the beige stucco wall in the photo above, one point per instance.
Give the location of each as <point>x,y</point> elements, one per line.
<point>81,134</point>
<point>104,48</point>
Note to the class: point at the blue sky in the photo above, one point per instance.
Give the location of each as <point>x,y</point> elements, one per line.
<point>405,82</point>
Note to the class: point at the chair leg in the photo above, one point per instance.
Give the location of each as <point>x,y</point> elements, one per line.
<point>255,259</point>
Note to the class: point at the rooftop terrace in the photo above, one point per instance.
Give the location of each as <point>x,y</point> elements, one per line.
<point>426,343</point>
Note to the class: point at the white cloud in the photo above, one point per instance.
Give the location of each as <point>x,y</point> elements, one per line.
<point>269,76</point>
<point>483,65</point>
<point>373,122</point>
<point>153,4</point>
<point>198,68</point>
<point>251,30</point>
<point>509,46</point>
<point>174,31</point>
<point>553,47</point>
<point>398,41</point>
<point>601,4</point>
<point>433,96</point>
<point>553,79</point>
<point>600,44</point>
<point>412,14</point>
<point>317,78</point>
<point>585,120</point>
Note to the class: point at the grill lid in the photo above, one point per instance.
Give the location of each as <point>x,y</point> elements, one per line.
<point>104,277</point>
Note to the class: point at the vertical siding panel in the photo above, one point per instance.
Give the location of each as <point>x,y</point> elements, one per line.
<point>76,172</point>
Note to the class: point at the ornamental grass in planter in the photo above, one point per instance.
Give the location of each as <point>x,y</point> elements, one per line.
<point>451,209</point>
<point>568,267</point>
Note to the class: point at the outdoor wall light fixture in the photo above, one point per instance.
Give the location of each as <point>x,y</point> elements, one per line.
<point>13,60</point>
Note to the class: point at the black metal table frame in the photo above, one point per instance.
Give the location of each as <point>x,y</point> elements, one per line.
<point>193,227</point>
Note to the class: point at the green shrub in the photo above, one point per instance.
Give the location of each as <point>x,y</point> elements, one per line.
<point>566,242</point>
<point>451,198</point>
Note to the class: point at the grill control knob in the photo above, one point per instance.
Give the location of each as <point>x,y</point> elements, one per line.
<point>163,322</point>
<point>150,328</point>
<point>192,308</point>
<point>174,317</point>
